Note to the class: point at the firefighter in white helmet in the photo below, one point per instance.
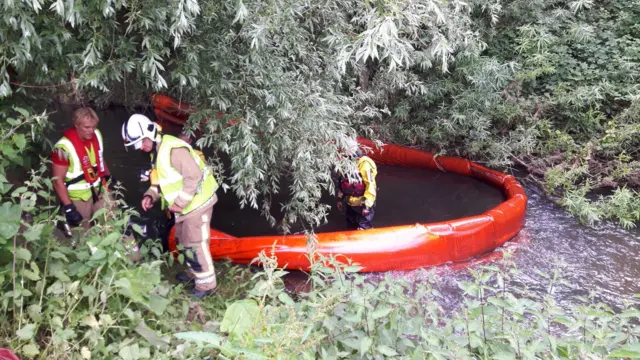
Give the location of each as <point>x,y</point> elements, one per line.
<point>187,187</point>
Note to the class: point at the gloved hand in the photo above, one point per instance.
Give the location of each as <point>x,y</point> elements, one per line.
<point>340,205</point>
<point>147,203</point>
<point>144,175</point>
<point>73,216</point>
<point>365,210</point>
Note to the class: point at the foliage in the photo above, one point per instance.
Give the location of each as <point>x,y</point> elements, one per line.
<point>344,316</point>
<point>539,83</point>
<point>83,301</point>
<point>548,85</point>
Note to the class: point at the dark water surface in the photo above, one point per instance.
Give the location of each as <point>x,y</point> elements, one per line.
<point>605,258</point>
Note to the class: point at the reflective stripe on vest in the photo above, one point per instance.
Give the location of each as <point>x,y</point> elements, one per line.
<point>171,181</point>
<point>75,166</point>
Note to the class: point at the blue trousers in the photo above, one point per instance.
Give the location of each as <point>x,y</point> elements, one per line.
<point>355,220</point>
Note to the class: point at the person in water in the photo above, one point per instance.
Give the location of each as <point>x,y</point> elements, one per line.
<point>80,174</point>
<point>187,187</point>
<point>356,192</point>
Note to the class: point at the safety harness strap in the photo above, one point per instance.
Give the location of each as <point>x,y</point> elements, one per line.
<point>90,173</point>
<point>78,178</point>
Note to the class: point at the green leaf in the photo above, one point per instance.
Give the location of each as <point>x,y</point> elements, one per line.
<point>110,239</point>
<point>31,350</point>
<point>58,255</point>
<point>34,312</point>
<point>98,255</point>
<point>27,332</point>
<point>365,344</point>
<point>106,320</point>
<point>498,302</point>
<point>200,336</point>
<point>286,299</point>
<point>9,151</point>
<point>145,353</point>
<point>30,275</point>
<point>20,141</point>
<point>98,213</point>
<point>124,284</point>
<point>131,352</point>
<point>630,314</point>
<point>89,291</point>
<point>23,254</point>
<point>630,351</point>
<point>150,335</point>
<point>9,220</point>
<point>22,111</point>
<point>158,304</point>
<point>59,273</point>
<point>505,355</point>
<point>307,332</point>
<point>44,195</point>
<point>55,289</point>
<point>239,317</point>
<point>34,268</point>
<point>91,321</point>
<point>622,353</point>
<point>19,191</point>
<point>352,269</point>
<point>382,312</point>
<point>4,188</point>
<point>33,233</point>
<point>387,351</point>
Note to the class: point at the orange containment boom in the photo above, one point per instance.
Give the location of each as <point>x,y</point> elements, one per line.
<point>398,247</point>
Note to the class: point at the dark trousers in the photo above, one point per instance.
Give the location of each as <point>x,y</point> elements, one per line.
<point>355,220</point>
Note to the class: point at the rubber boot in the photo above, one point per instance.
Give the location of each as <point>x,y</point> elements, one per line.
<point>183,277</point>
<point>200,294</point>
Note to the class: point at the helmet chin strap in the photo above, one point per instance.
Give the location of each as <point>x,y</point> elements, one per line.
<point>153,154</point>
<point>358,154</point>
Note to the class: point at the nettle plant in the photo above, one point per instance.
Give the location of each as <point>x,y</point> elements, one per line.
<point>73,298</point>
<point>62,300</point>
<point>342,315</point>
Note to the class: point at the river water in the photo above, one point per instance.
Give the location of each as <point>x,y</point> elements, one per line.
<point>604,258</point>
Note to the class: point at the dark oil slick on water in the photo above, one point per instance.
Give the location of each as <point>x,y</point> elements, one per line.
<point>603,258</point>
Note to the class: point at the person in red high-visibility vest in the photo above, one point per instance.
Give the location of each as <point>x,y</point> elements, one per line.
<point>6,354</point>
<point>79,170</point>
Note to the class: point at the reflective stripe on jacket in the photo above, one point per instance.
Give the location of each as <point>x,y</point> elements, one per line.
<point>170,181</point>
<point>81,190</point>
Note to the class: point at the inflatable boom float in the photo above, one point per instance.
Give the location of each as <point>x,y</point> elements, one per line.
<point>389,248</point>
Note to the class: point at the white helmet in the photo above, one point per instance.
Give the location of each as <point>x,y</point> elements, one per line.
<point>351,147</point>
<point>136,128</point>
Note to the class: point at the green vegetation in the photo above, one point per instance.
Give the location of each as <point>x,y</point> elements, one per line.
<point>545,85</point>
<point>91,302</point>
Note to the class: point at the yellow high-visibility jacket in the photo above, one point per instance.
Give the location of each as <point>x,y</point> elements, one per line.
<point>367,172</point>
